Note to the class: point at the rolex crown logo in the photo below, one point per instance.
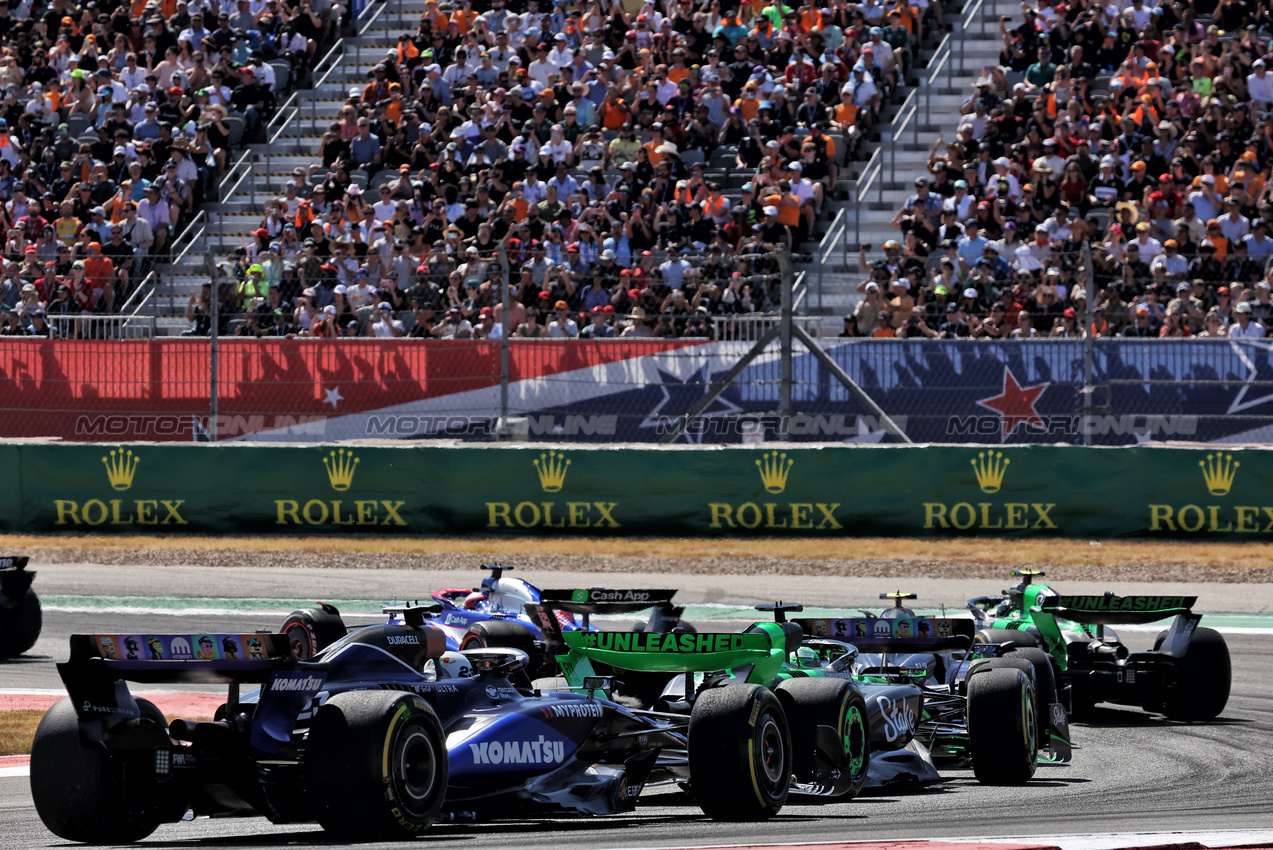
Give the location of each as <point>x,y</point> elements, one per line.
<point>340,469</point>
<point>774,468</point>
<point>990,468</point>
<point>121,466</point>
<point>1218,470</point>
<point>552,471</point>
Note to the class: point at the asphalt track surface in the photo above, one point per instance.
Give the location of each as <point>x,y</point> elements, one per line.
<point>1132,772</point>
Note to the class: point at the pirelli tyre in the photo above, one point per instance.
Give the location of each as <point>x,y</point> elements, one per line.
<point>740,753</point>
<point>500,633</point>
<point>1044,676</point>
<point>375,765</point>
<point>1003,737</point>
<point>1203,678</point>
<point>836,704</point>
<point>1020,637</point>
<point>93,796</point>
<point>20,625</point>
<point>311,630</point>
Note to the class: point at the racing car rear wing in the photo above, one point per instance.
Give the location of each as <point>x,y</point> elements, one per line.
<point>903,634</point>
<point>671,653</point>
<point>1111,610</point>
<point>602,600</point>
<point>101,665</point>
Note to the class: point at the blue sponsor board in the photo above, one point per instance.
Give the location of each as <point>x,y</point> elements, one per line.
<point>958,391</point>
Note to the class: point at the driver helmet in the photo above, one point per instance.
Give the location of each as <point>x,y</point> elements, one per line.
<point>453,665</point>
<point>807,658</point>
<point>473,600</point>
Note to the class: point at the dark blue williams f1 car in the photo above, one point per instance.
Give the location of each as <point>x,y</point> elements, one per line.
<point>382,733</point>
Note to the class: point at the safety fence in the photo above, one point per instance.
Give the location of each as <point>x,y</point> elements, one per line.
<point>1118,392</point>
<point>1041,491</point>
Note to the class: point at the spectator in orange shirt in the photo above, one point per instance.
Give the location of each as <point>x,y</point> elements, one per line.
<point>100,273</point>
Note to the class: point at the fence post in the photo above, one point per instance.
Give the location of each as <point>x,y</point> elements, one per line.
<point>1089,343</point>
<point>784,338</point>
<point>214,335</point>
<point>503,343</point>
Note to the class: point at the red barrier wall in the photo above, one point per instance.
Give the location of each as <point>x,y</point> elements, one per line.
<point>84,389</point>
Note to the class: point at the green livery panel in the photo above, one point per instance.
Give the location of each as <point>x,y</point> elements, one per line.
<point>679,653</point>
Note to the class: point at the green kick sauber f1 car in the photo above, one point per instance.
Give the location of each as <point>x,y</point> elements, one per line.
<point>841,721</point>
<point>1186,676</point>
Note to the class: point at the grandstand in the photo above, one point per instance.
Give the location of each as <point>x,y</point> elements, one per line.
<point>295,133</point>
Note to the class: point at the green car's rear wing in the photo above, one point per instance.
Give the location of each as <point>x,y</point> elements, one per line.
<point>1111,610</point>
<point>890,635</point>
<point>600,600</point>
<point>671,653</point>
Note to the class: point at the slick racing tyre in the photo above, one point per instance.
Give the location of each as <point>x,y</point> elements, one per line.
<point>1203,678</point>
<point>1002,725</point>
<point>1020,637</point>
<point>20,626</point>
<point>506,635</point>
<point>375,765</point>
<point>838,704</point>
<point>499,633</point>
<point>311,630</point>
<point>92,796</point>
<point>1044,682</point>
<point>740,753</point>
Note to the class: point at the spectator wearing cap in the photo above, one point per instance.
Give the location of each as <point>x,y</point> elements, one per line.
<point>599,326</point>
<point>1244,325</point>
<point>562,326</point>
<point>1259,85</point>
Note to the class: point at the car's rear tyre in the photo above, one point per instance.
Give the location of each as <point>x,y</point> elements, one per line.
<point>499,633</point>
<point>89,795</point>
<point>1045,690</point>
<point>20,626</point>
<point>838,703</point>
<point>740,753</point>
<point>1020,637</point>
<point>375,765</point>
<point>1002,725</point>
<point>1203,679</point>
<point>311,630</point>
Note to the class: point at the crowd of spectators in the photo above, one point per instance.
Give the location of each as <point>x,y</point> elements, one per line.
<point>1130,143</point>
<point>585,152</point>
<point>116,119</point>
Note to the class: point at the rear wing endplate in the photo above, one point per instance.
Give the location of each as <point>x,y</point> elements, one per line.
<point>903,634</point>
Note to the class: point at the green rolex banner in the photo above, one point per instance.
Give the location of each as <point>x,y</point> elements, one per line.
<point>930,491</point>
